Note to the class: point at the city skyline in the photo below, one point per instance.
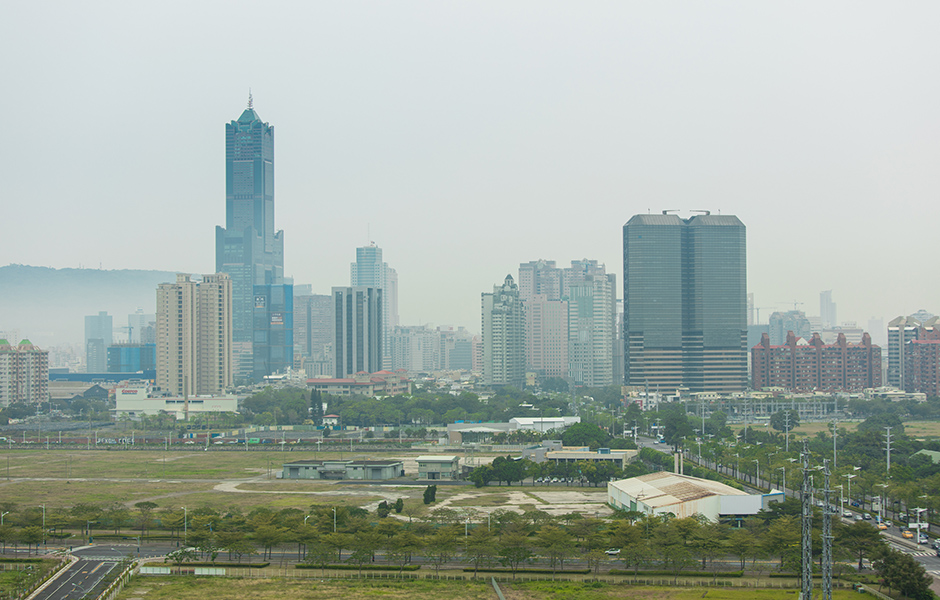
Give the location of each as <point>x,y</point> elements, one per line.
<point>464,140</point>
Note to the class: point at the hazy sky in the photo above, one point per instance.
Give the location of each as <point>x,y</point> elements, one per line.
<point>467,137</point>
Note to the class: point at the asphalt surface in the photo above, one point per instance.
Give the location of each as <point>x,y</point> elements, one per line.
<point>87,576</point>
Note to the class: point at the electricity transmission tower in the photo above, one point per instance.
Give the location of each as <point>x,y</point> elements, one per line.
<point>827,538</point>
<point>806,530</point>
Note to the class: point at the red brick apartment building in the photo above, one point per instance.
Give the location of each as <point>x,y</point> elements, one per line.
<point>803,366</point>
<point>922,366</point>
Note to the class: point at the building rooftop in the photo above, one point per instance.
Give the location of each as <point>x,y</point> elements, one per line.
<point>663,489</point>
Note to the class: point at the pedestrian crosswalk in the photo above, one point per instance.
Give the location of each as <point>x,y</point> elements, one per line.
<point>922,553</point>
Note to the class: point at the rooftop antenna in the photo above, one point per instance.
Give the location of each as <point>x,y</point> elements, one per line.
<point>670,210</point>
<point>250,100</point>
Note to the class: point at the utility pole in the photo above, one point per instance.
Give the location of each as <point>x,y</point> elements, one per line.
<point>806,530</point>
<point>835,435</point>
<point>786,428</point>
<point>888,448</point>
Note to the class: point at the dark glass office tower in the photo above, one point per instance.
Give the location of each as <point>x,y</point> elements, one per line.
<point>273,343</point>
<point>685,309</point>
<point>248,248</point>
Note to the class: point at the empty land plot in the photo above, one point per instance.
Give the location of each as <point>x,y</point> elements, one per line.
<point>924,429</point>
<point>58,494</point>
<point>245,502</point>
<point>177,463</point>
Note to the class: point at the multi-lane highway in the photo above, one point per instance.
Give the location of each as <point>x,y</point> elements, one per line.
<point>89,574</point>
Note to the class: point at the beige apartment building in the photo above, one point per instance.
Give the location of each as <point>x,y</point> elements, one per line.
<point>194,335</point>
<point>24,373</point>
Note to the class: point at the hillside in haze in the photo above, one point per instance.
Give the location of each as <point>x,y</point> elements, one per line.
<point>49,306</point>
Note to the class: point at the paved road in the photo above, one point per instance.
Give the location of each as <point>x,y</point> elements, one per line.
<point>79,580</point>
<point>86,577</point>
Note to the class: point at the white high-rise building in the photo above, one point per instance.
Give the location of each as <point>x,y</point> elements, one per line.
<point>546,336</point>
<point>416,348</point>
<point>827,310</point>
<point>358,329</point>
<point>194,335</point>
<point>370,271</point>
<point>99,331</point>
<point>591,335</point>
<point>503,336</point>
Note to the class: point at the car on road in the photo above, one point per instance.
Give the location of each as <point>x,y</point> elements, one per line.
<point>613,551</point>
<point>907,534</point>
<point>867,517</point>
<point>923,539</point>
<point>847,514</point>
<point>882,526</point>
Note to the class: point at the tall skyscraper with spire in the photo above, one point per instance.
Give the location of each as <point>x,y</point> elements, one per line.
<point>248,248</point>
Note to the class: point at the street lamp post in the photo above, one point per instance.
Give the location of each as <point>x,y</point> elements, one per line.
<point>919,510</point>
<point>883,487</point>
<point>43,524</point>
<point>334,519</point>
<point>784,471</point>
<point>926,509</point>
<point>185,528</point>
<point>757,478</point>
<point>1,517</point>
<point>849,478</point>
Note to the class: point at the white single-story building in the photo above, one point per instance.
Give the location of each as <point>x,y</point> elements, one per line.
<point>665,493</point>
<point>485,430</point>
<point>343,469</point>
<point>573,455</point>
<point>134,402</point>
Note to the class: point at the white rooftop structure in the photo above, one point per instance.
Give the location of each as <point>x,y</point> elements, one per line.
<point>684,496</point>
<point>543,423</point>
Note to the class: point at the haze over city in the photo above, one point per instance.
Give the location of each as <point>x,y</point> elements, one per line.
<point>466,138</point>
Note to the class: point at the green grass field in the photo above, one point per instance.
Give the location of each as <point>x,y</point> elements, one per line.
<point>186,587</point>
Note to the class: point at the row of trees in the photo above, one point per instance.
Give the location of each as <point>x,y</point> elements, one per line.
<point>509,470</point>
<point>769,541</point>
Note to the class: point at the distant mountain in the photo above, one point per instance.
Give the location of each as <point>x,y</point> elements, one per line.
<point>49,306</point>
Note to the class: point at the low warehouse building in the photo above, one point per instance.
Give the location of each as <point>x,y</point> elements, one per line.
<point>438,467</point>
<point>667,493</point>
<point>343,469</point>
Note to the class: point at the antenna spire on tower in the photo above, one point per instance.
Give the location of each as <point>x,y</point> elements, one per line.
<point>250,101</point>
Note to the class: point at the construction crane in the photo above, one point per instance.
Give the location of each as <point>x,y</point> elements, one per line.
<point>795,303</point>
